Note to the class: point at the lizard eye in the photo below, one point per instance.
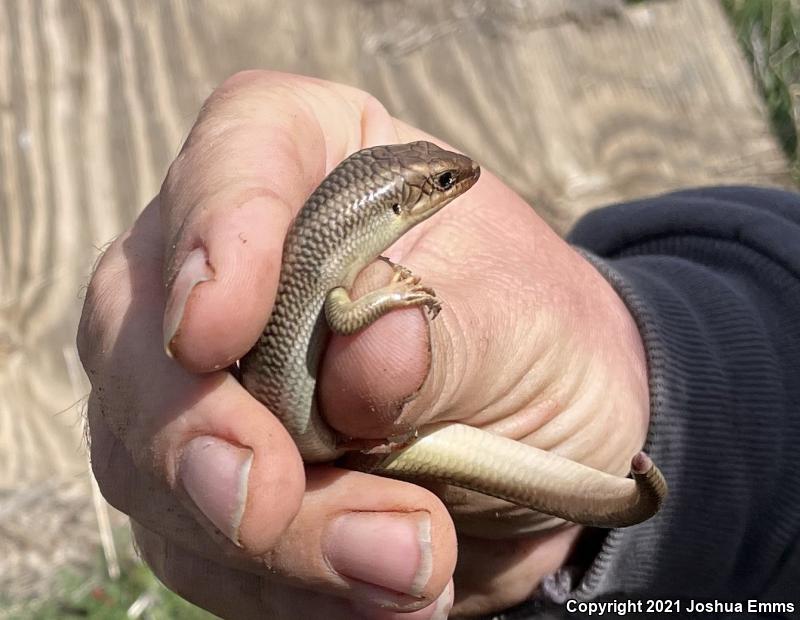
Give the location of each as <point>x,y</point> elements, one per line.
<point>396,208</point>
<point>445,180</point>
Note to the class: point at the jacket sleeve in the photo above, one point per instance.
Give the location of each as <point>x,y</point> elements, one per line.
<point>712,278</point>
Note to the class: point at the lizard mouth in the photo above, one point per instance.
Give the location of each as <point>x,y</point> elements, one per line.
<point>469,179</point>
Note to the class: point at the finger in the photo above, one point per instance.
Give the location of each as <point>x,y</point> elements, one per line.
<point>356,536</point>
<point>514,567</point>
<point>261,144</point>
<point>369,538</point>
<point>366,379</point>
<point>176,425</point>
<point>149,500</point>
<point>234,594</point>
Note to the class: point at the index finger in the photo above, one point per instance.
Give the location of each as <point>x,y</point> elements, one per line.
<point>261,144</point>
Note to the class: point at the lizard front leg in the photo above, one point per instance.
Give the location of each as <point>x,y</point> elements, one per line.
<point>347,316</point>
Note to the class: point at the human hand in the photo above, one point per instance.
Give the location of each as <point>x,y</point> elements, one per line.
<point>531,343</point>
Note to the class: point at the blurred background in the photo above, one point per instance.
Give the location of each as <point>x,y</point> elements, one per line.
<point>575,103</point>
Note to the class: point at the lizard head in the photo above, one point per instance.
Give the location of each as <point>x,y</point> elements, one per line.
<point>379,193</point>
<point>429,178</point>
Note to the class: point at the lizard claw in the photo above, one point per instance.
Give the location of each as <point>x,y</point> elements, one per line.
<point>424,296</point>
<point>401,274</point>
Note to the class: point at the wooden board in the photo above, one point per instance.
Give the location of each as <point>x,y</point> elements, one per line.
<point>574,103</point>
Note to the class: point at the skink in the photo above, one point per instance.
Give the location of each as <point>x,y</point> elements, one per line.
<point>365,204</point>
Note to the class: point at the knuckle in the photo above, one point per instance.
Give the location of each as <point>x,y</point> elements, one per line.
<point>109,485</point>
<point>171,184</point>
<point>232,94</point>
<point>152,549</point>
<point>176,580</point>
<point>100,302</point>
<point>106,453</point>
<point>372,109</point>
<point>369,102</point>
<point>237,595</point>
<point>258,81</point>
<point>228,108</point>
<point>244,79</point>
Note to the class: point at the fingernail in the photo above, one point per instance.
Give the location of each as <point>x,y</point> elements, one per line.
<point>389,550</point>
<point>438,610</point>
<point>195,269</point>
<point>215,475</point>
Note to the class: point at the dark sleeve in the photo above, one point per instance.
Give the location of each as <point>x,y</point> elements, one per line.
<point>712,278</point>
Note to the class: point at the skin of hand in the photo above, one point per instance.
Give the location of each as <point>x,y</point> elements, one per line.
<point>531,342</point>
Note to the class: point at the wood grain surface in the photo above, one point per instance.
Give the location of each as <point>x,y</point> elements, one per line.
<point>574,103</point>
